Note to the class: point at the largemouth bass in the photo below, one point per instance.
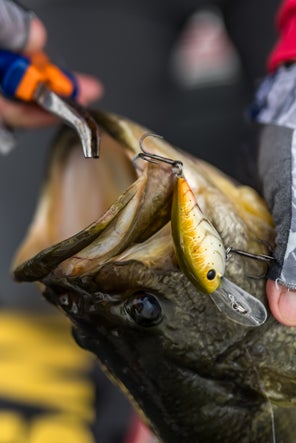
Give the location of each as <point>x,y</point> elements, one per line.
<point>100,247</point>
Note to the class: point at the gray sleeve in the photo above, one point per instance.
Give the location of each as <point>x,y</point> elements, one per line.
<point>276,172</point>
<point>14,25</point>
<point>276,110</point>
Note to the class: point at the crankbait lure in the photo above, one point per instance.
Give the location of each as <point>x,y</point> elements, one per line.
<point>201,253</point>
<point>198,245</point>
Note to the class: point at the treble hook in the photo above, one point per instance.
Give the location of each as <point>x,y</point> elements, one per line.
<point>262,257</point>
<point>154,158</point>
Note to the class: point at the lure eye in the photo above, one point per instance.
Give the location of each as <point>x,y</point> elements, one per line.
<point>144,308</point>
<point>211,274</point>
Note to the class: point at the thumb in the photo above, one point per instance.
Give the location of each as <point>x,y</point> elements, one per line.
<point>36,36</point>
<point>282,302</point>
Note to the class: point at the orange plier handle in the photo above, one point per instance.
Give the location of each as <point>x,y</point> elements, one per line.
<point>20,76</point>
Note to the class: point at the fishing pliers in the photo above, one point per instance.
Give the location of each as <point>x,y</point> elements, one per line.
<point>35,79</point>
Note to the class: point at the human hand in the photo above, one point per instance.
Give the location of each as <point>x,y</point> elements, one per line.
<point>276,108</point>
<point>22,31</point>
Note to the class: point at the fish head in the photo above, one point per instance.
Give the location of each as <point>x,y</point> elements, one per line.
<point>101,249</point>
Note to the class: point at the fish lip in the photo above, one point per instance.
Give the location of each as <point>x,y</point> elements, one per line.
<point>91,308</point>
<point>145,207</point>
<point>73,298</point>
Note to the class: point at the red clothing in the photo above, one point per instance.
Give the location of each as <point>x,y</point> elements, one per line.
<point>285,50</point>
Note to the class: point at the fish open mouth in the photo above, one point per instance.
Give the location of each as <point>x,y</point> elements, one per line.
<point>93,211</point>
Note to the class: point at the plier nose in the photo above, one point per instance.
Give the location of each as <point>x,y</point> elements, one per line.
<point>36,79</point>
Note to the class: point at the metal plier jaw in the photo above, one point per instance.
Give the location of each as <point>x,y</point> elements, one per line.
<point>36,79</point>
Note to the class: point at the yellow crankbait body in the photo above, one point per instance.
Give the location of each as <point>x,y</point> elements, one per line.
<point>199,247</point>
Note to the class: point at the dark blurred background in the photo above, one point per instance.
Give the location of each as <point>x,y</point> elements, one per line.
<point>186,69</point>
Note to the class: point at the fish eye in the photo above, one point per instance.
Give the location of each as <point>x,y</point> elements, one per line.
<point>144,308</point>
<point>211,274</point>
